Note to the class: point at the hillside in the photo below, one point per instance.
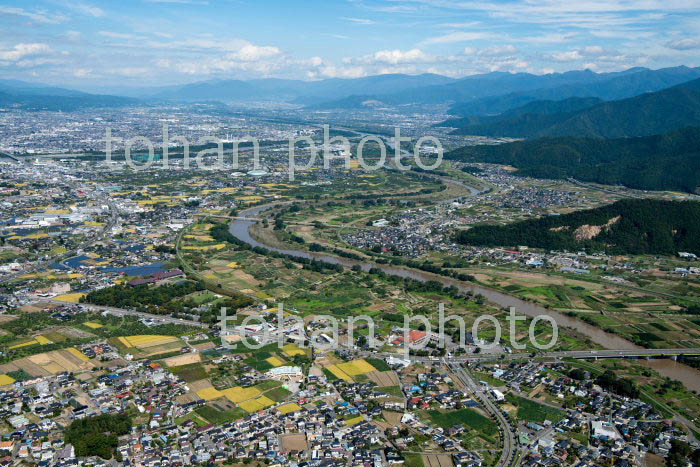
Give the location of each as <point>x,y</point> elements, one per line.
<point>522,121</point>
<point>669,161</point>
<point>647,114</point>
<point>35,96</point>
<point>62,103</point>
<point>612,86</point>
<point>625,227</point>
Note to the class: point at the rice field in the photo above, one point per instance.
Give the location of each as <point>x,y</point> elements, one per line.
<point>209,393</point>
<point>289,408</point>
<point>239,394</point>
<point>146,340</point>
<point>347,370</point>
<point>259,403</point>
<point>274,361</point>
<point>6,379</point>
<point>92,325</point>
<point>38,340</point>
<point>291,350</point>
<point>354,421</point>
<point>70,297</point>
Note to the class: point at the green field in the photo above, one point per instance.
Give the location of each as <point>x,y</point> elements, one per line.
<point>277,394</point>
<point>467,417</point>
<point>191,372</point>
<point>531,411</point>
<point>218,417</point>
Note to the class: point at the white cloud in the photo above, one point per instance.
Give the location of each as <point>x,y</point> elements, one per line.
<point>457,37</point>
<point>20,51</point>
<point>39,16</point>
<point>593,50</point>
<point>684,44</point>
<point>82,73</point>
<point>73,36</point>
<point>494,51</point>
<point>393,57</point>
<point>567,56</point>
<point>332,71</point>
<point>119,35</point>
<point>253,53</point>
<point>360,20</point>
<point>580,54</point>
<point>87,9</point>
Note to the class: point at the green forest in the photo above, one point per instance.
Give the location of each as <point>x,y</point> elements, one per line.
<point>632,226</point>
<point>97,436</point>
<point>158,299</point>
<point>669,161</point>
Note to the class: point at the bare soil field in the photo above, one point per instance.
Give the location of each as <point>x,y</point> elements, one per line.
<point>384,378</point>
<point>294,442</point>
<point>437,460</point>
<point>183,359</point>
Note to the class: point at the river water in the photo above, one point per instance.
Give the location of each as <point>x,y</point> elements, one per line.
<point>240,228</point>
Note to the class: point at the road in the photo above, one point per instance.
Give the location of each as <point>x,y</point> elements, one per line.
<point>113,218</point>
<point>510,446</point>
<point>578,354</point>
<point>124,312</point>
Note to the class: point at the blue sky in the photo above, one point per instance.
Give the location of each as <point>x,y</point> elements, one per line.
<point>155,42</point>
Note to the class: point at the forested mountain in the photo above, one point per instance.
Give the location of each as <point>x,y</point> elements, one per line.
<point>522,121</point>
<point>36,96</point>
<point>63,103</point>
<point>668,161</point>
<point>632,226</point>
<point>612,86</point>
<point>647,114</point>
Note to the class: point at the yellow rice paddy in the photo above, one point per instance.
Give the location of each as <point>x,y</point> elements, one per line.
<point>78,354</point>
<point>6,379</point>
<point>239,394</point>
<point>256,404</point>
<point>289,408</point>
<point>209,393</point>
<point>274,361</point>
<point>71,297</point>
<point>292,350</point>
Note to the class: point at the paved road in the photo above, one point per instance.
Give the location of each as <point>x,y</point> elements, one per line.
<point>164,319</point>
<point>510,446</point>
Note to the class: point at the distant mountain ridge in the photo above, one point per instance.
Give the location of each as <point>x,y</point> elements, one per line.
<point>33,96</point>
<point>489,93</point>
<point>642,115</point>
<point>612,86</point>
<point>303,92</point>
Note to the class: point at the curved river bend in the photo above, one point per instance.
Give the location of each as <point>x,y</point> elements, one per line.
<point>240,228</point>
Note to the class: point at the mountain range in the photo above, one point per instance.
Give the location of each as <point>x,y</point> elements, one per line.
<point>33,96</point>
<point>646,114</point>
<point>483,94</point>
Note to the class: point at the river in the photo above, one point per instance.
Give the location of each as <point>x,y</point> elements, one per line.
<point>240,228</point>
